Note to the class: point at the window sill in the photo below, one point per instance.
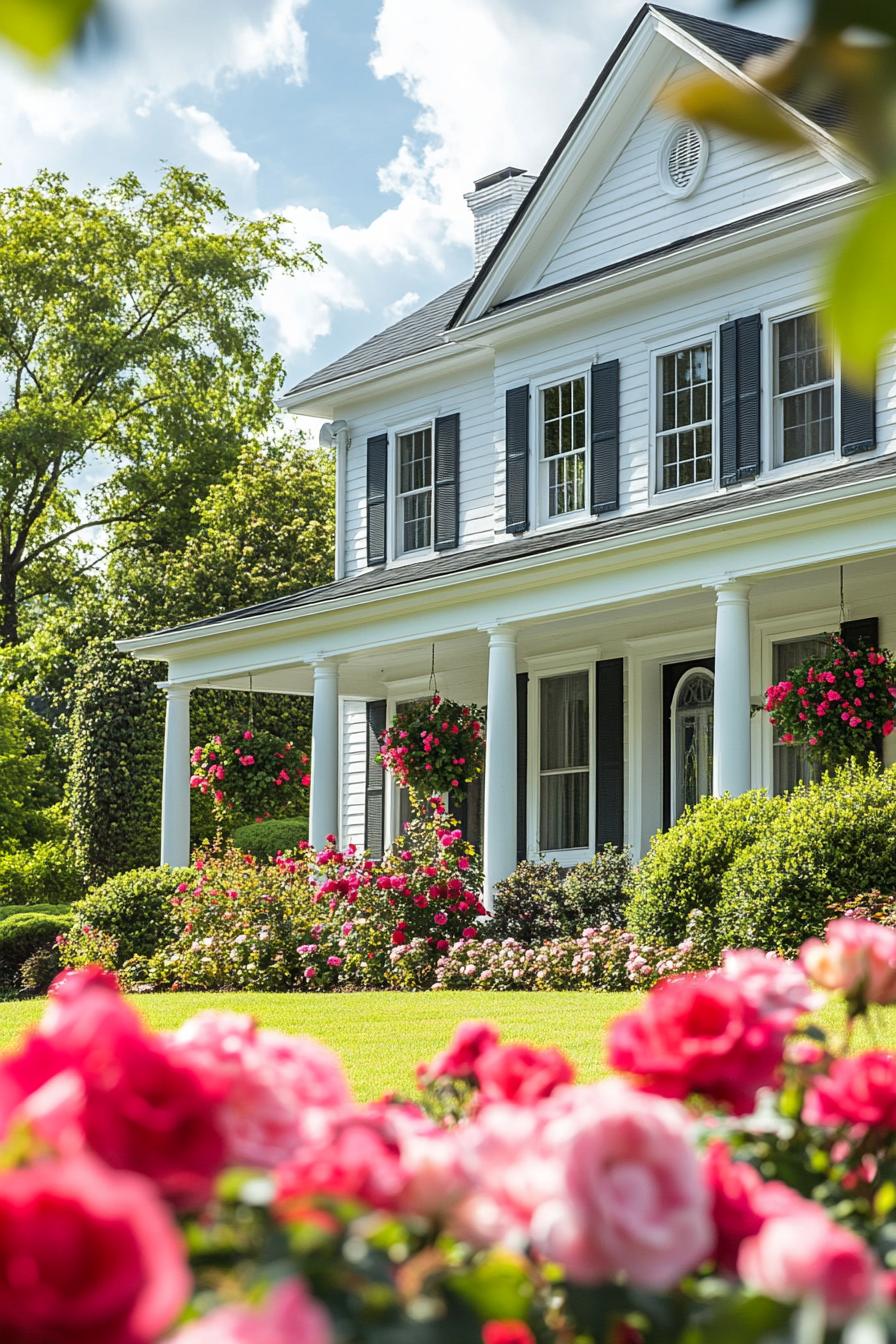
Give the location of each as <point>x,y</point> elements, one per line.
<point>411,557</point>
<point>678,493</point>
<point>806,466</point>
<point>560,524</point>
<point>567,858</point>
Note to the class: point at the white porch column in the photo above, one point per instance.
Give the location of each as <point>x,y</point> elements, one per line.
<point>731,707</point>
<point>324,808</point>
<point>176,778</point>
<point>499,828</point>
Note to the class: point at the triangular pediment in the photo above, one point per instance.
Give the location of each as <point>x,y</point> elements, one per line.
<point>610,191</point>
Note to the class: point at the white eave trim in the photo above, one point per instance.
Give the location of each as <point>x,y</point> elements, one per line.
<point>754,510</point>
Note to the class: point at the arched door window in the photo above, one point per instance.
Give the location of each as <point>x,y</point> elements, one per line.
<point>692,738</point>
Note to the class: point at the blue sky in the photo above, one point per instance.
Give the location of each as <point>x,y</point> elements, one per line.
<point>362,121</point>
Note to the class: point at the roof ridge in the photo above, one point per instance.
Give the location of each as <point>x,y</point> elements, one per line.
<point>718,23</point>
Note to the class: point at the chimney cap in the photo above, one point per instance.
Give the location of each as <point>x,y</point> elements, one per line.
<point>500,176</point>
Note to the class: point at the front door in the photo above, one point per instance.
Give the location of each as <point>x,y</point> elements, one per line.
<point>688,693</point>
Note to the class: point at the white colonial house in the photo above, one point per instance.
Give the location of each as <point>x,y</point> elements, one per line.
<point>613,484</point>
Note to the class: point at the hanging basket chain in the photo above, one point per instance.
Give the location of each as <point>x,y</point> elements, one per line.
<point>433,684</point>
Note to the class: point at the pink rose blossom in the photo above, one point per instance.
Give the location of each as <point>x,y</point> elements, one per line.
<point>742,1202</point>
<point>288,1315</point>
<point>856,957</point>
<point>805,1254</point>
<point>778,988</point>
<point>860,1090</point>
<point>469,1042</point>
<point>521,1074</point>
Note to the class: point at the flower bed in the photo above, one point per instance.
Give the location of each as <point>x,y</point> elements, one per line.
<point>220,1184</point>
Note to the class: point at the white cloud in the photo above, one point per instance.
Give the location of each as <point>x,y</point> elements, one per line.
<point>393,312</point>
<point>214,141</point>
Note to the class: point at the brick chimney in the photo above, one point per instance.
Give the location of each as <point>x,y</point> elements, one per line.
<point>494,201</point>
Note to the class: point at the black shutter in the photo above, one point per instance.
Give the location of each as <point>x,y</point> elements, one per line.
<point>447,482</point>
<point>857,426</point>
<point>741,363</point>
<point>610,785</point>
<point>516,449</point>
<point>377,478</point>
<point>375,792</point>
<point>605,436</point>
<point>749,366</point>
<point>522,764</point>
<point>864,633</point>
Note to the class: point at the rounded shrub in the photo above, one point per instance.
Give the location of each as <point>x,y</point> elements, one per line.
<point>37,972</point>
<point>21,936</point>
<point>684,867</point>
<point>267,839</point>
<point>46,874</point>
<point>597,892</point>
<point>135,909</point>
<point>530,904</point>
<point>832,841</point>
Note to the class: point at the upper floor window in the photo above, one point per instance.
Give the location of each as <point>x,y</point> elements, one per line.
<point>563,432</point>
<point>684,435</point>
<point>414,473</point>
<point>803,389</point>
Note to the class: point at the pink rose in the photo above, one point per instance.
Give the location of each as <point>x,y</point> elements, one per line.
<point>270,1081</point>
<point>741,1201</point>
<point>288,1314</point>
<point>630,1198</point>
<point>699,1033</point>
<point>504,1154</point>
<point>857,957</point>
<point>87,1255</point>
<point>778,988</point>
<point>806,1254</point>
<point>521,1074</point>
<point>351,1154</point>
<point>860,1090</point>
<point>459,1060</point>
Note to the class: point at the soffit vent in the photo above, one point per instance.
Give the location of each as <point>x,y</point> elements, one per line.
<point>683,159</point>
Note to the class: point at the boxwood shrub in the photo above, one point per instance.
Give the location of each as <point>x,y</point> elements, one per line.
<point>22,935</point>
<point>133,908</point>
<point>266,839</point>
<point>597,892</point>
<point>529,904</point>
<point>833,841</point>
<point>684,868</point>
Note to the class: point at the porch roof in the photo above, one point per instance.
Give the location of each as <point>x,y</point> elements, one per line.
<point>386,581</point>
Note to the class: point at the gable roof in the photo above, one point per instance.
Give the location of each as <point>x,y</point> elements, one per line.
<point>426,328</point>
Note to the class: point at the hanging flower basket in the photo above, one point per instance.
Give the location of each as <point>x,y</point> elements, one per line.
<point>836,706</point>
<point>435,746</point>
<point>248,771</point>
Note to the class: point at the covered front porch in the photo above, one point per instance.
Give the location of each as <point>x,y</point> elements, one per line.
<point>608,711</point>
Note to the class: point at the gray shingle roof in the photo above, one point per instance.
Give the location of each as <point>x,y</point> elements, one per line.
<point>389,581</point>
<point>419,331</point>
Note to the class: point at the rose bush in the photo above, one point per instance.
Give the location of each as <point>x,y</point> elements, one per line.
<point>219,1183</point>
<point>434,746</point>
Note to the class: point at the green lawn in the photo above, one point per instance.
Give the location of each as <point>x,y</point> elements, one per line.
<point>381,1037</point>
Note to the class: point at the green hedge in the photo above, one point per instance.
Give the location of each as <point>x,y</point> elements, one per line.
<point>685,866</point>
<point>21,936</point>
<point>48,873</point>
<point>833,840</point>
<point>134,908</point>
<point>266,839</point>
<point>47,908</point>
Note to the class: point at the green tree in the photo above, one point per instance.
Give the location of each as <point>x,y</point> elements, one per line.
<point>129,341</point>
<point>24,791</point>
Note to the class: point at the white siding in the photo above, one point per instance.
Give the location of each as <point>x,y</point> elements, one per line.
<point>354,772</point>
<point>469,394</point>
<point>630,213</point>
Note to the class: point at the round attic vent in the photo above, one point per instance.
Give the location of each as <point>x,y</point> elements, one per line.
<point>683,159</point>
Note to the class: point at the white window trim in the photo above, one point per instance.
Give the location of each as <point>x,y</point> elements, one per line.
<point>541,520</point>
<point>540,668</point>
<point>779,630</point>
<point>396,555</point>
<point>674,812</point>
<point>684,341</point>
<point>770,468</point>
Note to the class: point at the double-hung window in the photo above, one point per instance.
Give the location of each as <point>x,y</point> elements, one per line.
<point>684,430</point>
<point>803,389</point>
<point>414,490</point>
<point>563,432</point>
<point>791,764</point>
<point>564,762</point>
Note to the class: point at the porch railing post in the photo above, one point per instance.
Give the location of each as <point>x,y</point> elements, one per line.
<point>499,847</point>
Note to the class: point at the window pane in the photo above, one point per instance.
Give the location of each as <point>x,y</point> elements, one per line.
<point>563,446</point>
<point>563,811</point>
<point>685,417</point>
<point>564,721</point>
<point>417,515</point>
<point>792,764</point>
<point>807,423</point>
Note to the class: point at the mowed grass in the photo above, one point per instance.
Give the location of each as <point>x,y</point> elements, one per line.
<point>381,1037</point>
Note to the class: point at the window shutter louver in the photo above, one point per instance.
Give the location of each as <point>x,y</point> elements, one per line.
<point>516,449</point>
<point>857,419</point>
<point>375,791</point>
<point>740,376</point>
<point>522,763</point>
<point>610,783</point>
<point>377,481</point>
<point>447,482</point>
<point>605,436</point>
<point>749,366</point>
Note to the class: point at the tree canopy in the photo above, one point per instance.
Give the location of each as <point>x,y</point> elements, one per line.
<point>130,350</point>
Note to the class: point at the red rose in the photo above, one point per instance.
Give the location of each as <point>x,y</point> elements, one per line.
<point>87,1255</point>
<point>741,1201</point>
<point>470,1041</point>
<point>399,937</point>
<point>856,1091</point>
<point>507,1332</point>
<point>521,1073</point>
<point>698,1033</point>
